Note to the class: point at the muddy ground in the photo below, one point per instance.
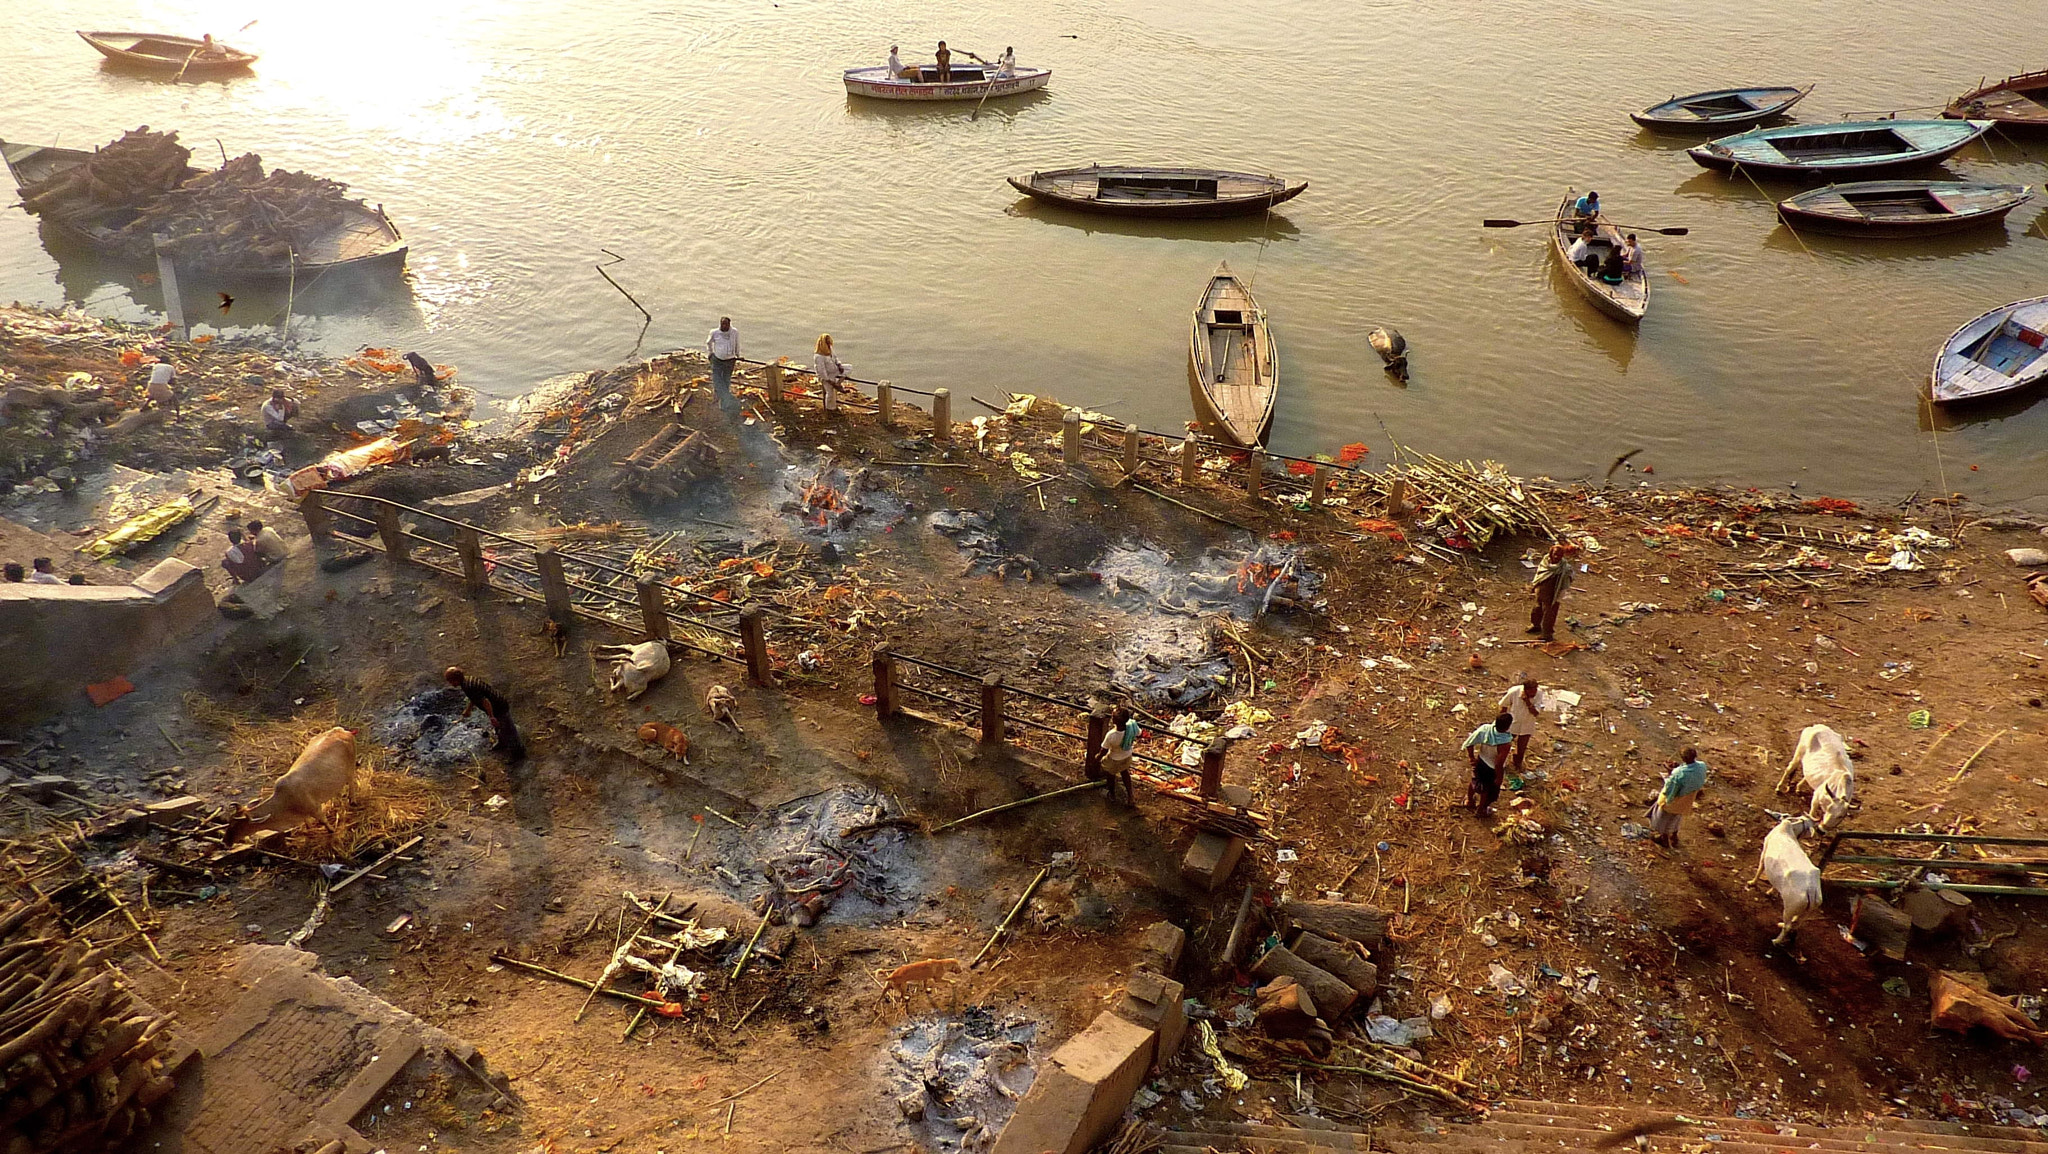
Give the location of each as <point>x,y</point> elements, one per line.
<point>1677,644</point>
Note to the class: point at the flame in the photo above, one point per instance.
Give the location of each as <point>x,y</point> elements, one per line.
<point>1255,574</point>
<point>821,500</point>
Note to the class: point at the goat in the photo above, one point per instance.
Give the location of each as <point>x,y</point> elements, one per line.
<point>325,770</point>
<point>1791,872</point>
<point>635,667</point>
<point>1823,761</point>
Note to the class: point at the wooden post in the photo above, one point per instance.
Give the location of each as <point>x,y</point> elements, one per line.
<point>754,640</point>
<point>1212,768</point>
<point>885,404</point>
<point>1319,486</point>
<point>1190,460</point>
<point>474,575</point>
<point>554,586</point>
<point>942,415</point>
<point>1255,473</point>
<point>392,533</point>
<point>653,609</point>
<point>1397,498</point>
<point>167,279</point>
<point>1130,450</point>
<point>992,709</point>
<point>319,523</point>
<point>771,381</point>
<point>885,683</point>
<point>1070,439</point>
<point>1098,728</point>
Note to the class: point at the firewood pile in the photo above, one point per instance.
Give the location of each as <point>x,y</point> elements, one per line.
<point>666,461</point>
<point>140,187</point>
<point>82,1060</point>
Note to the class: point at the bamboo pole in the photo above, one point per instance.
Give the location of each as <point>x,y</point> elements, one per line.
<point>622,995</point>
<point>1011,916</point>
<point>1009,805</point>
<point>749,951</point>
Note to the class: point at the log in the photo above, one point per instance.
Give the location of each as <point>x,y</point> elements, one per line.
<point>1340,958</point>
<point>1363,924</point>
<point>1331,994</point>
<point>1285,1010</point>
<point>1881,924</point>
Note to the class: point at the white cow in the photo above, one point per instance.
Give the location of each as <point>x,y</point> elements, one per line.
<point>635,667</point>
<point>1791,872</point>
<point>1823,761</point>
<point>325,770</point>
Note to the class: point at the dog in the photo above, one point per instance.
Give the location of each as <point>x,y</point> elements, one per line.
<point>718,702</point>
<point>557,633</point>
<point>924,973</point>
<point>668,737</point>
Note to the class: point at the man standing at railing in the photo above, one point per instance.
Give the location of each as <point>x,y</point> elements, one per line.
<point>724,349</point>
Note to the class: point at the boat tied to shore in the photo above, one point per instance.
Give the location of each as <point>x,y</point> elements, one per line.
<point>965,82</point>
<point>1902,208</point>
<point>2017,102</point>
<point>1625,302</point>
<point>1137,190</point>
<point>1999,352</point>
<point>1720,110</point>
<point>1233,364</point>
<point>172,55</point>
<point>1853,147</point>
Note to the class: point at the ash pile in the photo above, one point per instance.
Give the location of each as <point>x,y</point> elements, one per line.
<point>1167,653</point>
<point>957,1078</point>
<point>986,555</point>
<point>428,730</point>
<point>844,848</point>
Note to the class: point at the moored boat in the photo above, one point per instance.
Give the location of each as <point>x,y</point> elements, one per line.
<point>1858,147</point>
<point>2003,350</point>
<point>1721,110</point>
<point>1135,190</point>
<point>176,55</point>
<point>1625,302</point>
<point>1902,208</point>
<point>1233,364</point>
<point>965,82</point>
<point>2017,102</point>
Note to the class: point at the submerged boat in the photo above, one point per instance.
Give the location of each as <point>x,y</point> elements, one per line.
<point>177,55</point>
<point>1625,302</point>
<point>2017,102</point>
<point>1719,110</point>
<point>1897,208</point>
<point>2003,350</point>
<point>1861,147</point>
<point>1129,190</point>
<point>967,82</point>
<point>364,238</point>
<point>1233,365</point>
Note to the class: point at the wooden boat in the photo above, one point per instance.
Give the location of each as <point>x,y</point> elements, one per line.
<point>176,55</point>
<point>1625,302</point>
<point>2017,102</point>
<point>2003,350</point>
<point>1720,110</point>
<point>1897,208</point>
<point>365,239</point>
<point>1125,190</point>
<point>1233,364</point>
<point>969,82</point>
<point>1860,147</point>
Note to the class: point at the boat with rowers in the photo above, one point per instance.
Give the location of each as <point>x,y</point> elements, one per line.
<point>1902,208</point>
<point>160,52</point>
<point>2001,351</point>
<point>1233,364</point>
<point>1721,110</point>
<point>1854,147</point>
<point>1625,301</point>
<point>1136,190</point>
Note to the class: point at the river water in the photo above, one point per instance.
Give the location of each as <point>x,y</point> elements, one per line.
<point>712,145</point>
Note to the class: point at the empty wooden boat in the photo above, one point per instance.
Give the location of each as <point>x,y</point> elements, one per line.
<point>1859,147</point>
<point>1626,301</point>
<point>1899,208</point>
<point>1233,365</point>
<point>2017,102</point>
<point>172,55</point>
<point>967,82</point>
<point>1722,110</point>
<point>2003,350</point>
<point>1128,190</point>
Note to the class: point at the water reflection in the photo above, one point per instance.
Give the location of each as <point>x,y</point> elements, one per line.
<point>1617,341</point>
<point>1989,238</point>
<point>1230,229</point>
<point>1002,108</point>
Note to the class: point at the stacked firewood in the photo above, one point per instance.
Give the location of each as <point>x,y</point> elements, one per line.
<point>81,1062</point>
<point>237,215</point>
<point>127,174</point>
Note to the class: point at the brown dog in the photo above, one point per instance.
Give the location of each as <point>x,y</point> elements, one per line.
<point>668,737</point>
<point>922,973</point>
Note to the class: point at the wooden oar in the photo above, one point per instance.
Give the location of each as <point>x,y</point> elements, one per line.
<point>1496,222</point>
<point>976,114</point>
<point>184,66</point>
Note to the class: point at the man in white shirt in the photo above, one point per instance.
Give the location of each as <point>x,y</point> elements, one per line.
<point>45,573</point>
<point>1006,64</point>
<point>278,412</point>
<point>1523,703</point>
<point>895,64</point>
<point>724,349</point>
<point>163,380</point>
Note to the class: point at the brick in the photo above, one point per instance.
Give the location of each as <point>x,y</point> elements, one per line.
<point>1210,860</point>
<point>1082,1091</point>
<point>1154,1002</point>
<point>1160,946</point>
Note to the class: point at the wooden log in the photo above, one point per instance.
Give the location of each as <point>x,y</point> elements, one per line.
<point>1361,923</point>
<point>886,699</point>
<point>1190,461</point>
<point>1881,924</point>
<point>1333,995</point>
<point>754,644</point>
<point>1340,958</point>
<point>1285,1009</point>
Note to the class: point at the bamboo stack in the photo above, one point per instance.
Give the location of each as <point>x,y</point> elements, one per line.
<point>1460,499</point>
<point>81,1062</point>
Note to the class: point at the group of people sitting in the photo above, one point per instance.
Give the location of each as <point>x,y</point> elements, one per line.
<point>1006,64</point>
<point>43,573</point>
<point>251,551</point>
<point>1601,258</point>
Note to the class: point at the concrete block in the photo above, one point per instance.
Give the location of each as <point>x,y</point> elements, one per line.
<point>1160,946</point>
<point>1154,1002</point>
<point>168,811</point>
<point>1082,1091</point>
<point>1210,860</point>
<point>43,787</point>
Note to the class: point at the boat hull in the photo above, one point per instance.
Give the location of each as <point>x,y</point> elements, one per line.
<point>2014,104</point>
<point>1627,302</point>
<point>1672,116</point>
<point>1067,188</point>
<point>111,45</point>
<point>874,84</point>
<point>1250,414</point>
<point>1759,151</point>
<point>1994,354</point>
<point>1833,209</point>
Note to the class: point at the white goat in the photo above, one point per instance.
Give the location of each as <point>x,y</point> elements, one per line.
<point>635,667</point>
<point>325,770</point>
<point>1823,761</point>
<point>1791,872</point>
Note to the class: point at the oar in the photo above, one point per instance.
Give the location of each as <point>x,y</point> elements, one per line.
<point>184,66</point>
<point>976,114</point>
<point>1496,222</point>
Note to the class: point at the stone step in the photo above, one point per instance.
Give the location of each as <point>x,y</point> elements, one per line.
<point>1915,1133</point>
<point>1253,1136</point>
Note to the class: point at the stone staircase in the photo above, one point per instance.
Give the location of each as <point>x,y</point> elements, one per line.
<point>1520,1126</point>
